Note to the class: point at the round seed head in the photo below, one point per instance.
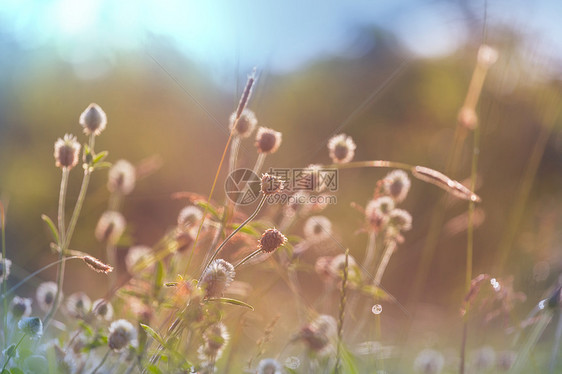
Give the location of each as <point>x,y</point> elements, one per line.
<point>31,326</point>
<point>270,240</point>
<point>110,227</point>
<point>78,304</point>
<point>337,265</point>
<point>245,124</point>
<point>267,140</point>
<point>121,178</point>
<point>67,152</point>
<point>217,277</point>
<point>122,333</point>
<point>269,366</point>
<point>342,148</point>
<point>320,334</point>
<point>46,293</point>
<point>271,184</point>
<point>189,217</point>
<point>317,228</point>
<point>20,307</point>
<point>215,339</point>
<point>400,220</point>
<point>102,309</point>
<point>429,361</point>
<point>377,212</point>
<point>396,185</point>
<point>93,119</point>
<point>136,255</point>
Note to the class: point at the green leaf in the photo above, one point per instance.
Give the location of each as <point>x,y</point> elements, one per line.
<point>99,157</point>
<point>150,331</point>
<point>15,371</point>
<point>102,165</point>
<point>227,300</point>
<point>348,362</point>
<point>247,230</point>
<point>171,284</point>
<point>159,279</point>
<point>205,205</point>
<point>52,226</point>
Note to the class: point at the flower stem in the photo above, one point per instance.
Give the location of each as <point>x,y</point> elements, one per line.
<point>102,361</point>
<point>11,355</point>
<point>389,250</point>
<point>5,303</point>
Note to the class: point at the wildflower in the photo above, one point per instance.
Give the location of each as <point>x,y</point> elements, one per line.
<point>31,326</point>
<point>78,304</point>
<point>184,240</point>
<point>342,148</point>
<point>110,227</point>
<point>121,334</point>
<point>267,140</point>
<point>189,216</point>
<point>396,185</point>
<point>487,56</point>
<point>320,334</point>
<point>377,212</point>
<point>244,126</point>
<point>46,295</point>
<point>271,184</point>
<point>96,265</point>
<point>67,152</point>
<point>317,228</point>
<point>217,277</point>
<point>312,178</point>
<point>270,240</point>
<point>93,119</point>
<point>102,309</point>
<point>269,366</point>
<point>137,255</point>
<point>400,220</point>
<point>215,338</point>
<point>121,178</point>
<point>337,264</point>
<point>20,307</point>
<point>429,361</point>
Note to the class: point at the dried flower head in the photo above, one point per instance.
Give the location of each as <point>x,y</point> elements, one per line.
<point>400,220</point>
<point>96,265</point>
<point>31,326</point>
<point>189,216</point>
<point>46,293</point>
<point>93,119</point>
<point>320,334</point>
<point>136,255</point>
<point>245,125</point>
<point>267,140</point>
<point>121,178</point>
<point>20,307</point>
<point>215,338</point>
<point>270,366</point>
<point>342,148</point>
<point>217,277</point>
<point>396,185</point>
<point>317,228</point>
<point>271,184</point>
<point>110,227</point>
<point>429,361</point>
<point>67,152</point>
<point>122,333</point>
<point>102,309</point>
<point>78,304</point>
<point>377,212</point>
<point>487,56</point>
<point>270,240</point>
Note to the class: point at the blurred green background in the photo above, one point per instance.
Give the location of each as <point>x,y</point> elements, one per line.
<point>391,75</point>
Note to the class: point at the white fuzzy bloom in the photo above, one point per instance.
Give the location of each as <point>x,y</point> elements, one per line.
<point>78,304</point>
<point>245,124</point>
<point>396,185</point>
<point>429,361</point>
<point>136,255</point>
<point>189,216</point>
<point>93,119</point>
<point>102,309</point>
<point>20,307</point>
<point>217,277</point>
<point>122,333</point>
<point>110,227</point>
<point>487,56</point>
<point>121,177</point>
<point>270,366</point>
<point>317,228</point>
<point>45,294</point>
<point>342,148</point>
<point>215,339</point>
